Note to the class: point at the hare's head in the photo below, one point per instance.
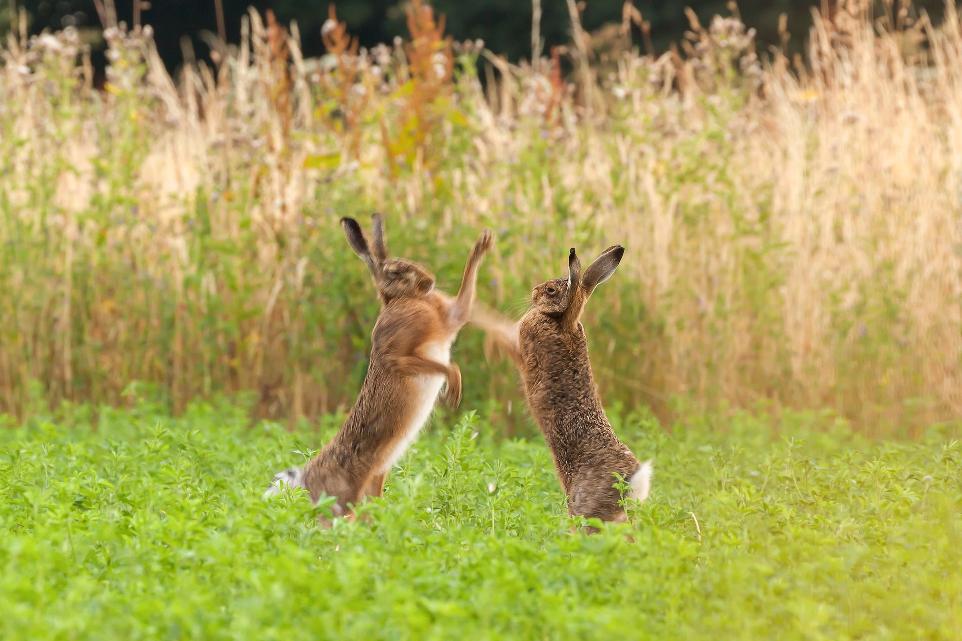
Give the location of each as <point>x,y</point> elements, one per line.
<point>394,277</point>
<point>565,298</point>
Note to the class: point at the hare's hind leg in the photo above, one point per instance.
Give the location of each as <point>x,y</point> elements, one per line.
<point>375,485</point>
<point>595,497</point>
<point>372,489</point>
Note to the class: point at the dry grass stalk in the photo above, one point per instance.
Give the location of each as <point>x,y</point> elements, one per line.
<point>794,237</point>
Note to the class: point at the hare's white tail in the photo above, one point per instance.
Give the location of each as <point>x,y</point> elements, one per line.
<point>641,481</point>
<point>291,477</point>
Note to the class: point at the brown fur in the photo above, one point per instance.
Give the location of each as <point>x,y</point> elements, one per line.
<point>413,317</point>
<point>550,349</point>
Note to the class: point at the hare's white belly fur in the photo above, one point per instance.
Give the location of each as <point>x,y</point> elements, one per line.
<point>425,389</point>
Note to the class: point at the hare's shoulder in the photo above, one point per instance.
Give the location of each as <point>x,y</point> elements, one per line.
<point>414,318</point>
<point>428,305</point>
<point>543,338</point>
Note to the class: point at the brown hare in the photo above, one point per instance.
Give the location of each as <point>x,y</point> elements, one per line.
<point>410,360</point>
<point>548,345</point>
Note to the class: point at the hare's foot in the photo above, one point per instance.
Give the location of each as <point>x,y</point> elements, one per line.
<point>291,477</point>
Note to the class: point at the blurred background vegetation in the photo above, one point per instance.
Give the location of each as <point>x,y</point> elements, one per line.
<point>793,224</point>
<point>504,25</point>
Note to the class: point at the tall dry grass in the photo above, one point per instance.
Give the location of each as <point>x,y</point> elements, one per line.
<point>794,233</point>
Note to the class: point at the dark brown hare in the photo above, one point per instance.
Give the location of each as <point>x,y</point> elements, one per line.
<point>410,360</point>
<point>549,347</point>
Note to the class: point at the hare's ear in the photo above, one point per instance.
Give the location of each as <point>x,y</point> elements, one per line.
<point>574,269</point>
<point>602,269</point>
<point>355,238</point>
<point>379,248</point>
<point>575,295</point>
<point>574,277</point>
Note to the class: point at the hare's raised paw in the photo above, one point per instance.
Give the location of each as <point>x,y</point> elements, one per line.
<point>484,242</point>
<point>452,389</point>
<point>291,477</point>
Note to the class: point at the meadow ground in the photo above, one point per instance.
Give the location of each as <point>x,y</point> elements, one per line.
<point>150,527</point>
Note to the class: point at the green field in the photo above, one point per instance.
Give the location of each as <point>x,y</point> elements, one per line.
<point>153,527</point>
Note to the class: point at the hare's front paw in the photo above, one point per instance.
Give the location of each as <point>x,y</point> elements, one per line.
<point>484,243</point>
<point>452,391</point>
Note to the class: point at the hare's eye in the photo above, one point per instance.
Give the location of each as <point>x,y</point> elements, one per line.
<point>552,291</point>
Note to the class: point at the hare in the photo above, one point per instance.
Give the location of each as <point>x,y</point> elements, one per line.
<point>549,347</point>
<point>410,360</point>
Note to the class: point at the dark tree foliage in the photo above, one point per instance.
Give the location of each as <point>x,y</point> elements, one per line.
<point>504,25</point>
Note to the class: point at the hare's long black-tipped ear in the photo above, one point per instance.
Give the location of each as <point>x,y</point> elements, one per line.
<point>574,269</point>
<point>379,248</point>
<point>355,238</point>
<point>574,276</point>
<point>602,269</point>
<point>575,295</point>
